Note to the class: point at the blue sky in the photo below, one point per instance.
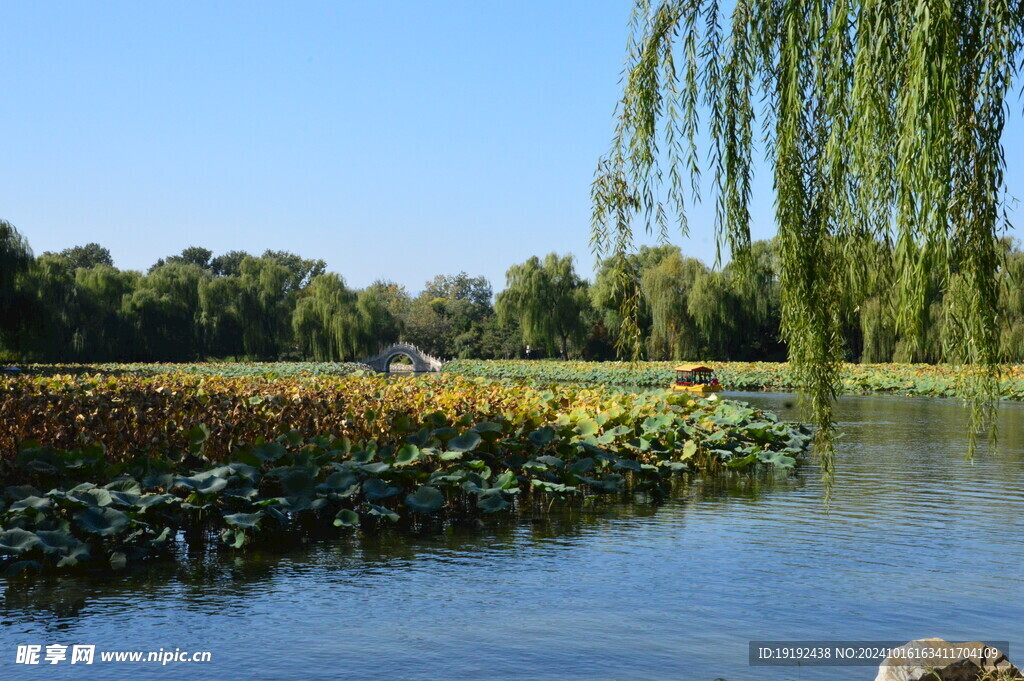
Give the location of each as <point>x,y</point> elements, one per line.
<point>394,140</point>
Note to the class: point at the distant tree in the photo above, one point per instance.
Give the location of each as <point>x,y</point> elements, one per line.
<point>194,255</point>
<point>164,308</point>
<point>548,300</point>
<point>266,302</point>
<point>614,283</point>
<point>327,322</point>
<point>229,264</point>
<point>383,325</point>
<point>52,332</point>
<point>461,286</point>
<point>667,288</point>
<point>87,256</point>
<point>220,319</point>
<point>16,307</point>
<point>300,270</point>
<point>102,332</point>
<point>1012,294</point>
<point>427,325</point>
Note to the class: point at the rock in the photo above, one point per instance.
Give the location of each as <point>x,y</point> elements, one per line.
<point>947,663</point>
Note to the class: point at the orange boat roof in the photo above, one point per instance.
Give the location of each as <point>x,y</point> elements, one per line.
<point>692,367</point>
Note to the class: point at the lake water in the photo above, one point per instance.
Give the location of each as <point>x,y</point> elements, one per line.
<point>919,542</point>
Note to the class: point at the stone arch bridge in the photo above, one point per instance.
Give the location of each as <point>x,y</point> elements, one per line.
<point>421,361</point>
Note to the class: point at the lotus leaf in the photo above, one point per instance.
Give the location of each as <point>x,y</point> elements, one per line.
<point>465,442</point>
<point>346,518</point>
<point>105,522</point>
<point>425,500</point>
<point>17,541</point>
<point>375,488</point>
<point>244,521</point>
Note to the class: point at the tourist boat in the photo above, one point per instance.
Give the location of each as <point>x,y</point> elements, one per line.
<point>695,378</point>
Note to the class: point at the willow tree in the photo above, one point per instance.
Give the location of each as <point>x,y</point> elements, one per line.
<point>327,322</point>
<point>879,120</point>
<point>666,287</point>
<point>548,299</point>
<point>15,306</point>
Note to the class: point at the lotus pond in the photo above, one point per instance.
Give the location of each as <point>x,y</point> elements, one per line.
<point>102,472</point>
<point>902,379</point>
<point>919,542</point>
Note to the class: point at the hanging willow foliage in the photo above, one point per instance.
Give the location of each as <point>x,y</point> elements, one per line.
<point>882,122</point>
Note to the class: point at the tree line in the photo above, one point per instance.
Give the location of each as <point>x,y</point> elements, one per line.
<point>75,305</point>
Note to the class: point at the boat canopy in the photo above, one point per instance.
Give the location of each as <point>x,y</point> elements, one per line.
<point>692,367</point>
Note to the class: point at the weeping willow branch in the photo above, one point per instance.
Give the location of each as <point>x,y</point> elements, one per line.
<point>882,122</point>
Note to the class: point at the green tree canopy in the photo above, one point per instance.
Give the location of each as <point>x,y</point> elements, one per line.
<point>882,121</point>
<point>548,300</point>
<point>16,306</point>
<point>87,256</point>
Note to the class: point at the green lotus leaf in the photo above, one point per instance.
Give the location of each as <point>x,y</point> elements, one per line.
<point>777,459</point>
<point>587,427</point>
<point>608,485</point>
<point>544,436</point>
<point>551,461</point>
<point>57,542</point>
<point>124,499</point>
<point>689,449</point>
<point>340,483</point>
<point>148,501</point>
<point>627,464</point>
<point>552,487</point>
<point>298,483</point>
<point>105,521</point>
<point>361,457</point>
<point>118,561</point>
<point>236,539</point>
<point>16,493</point>
<point>34,503</point>
<point>127,485</point>
<point>582,466</point>
<point>375,488</point>
<point>95,497</point>
<point>243,491</point>
<point>407,454</point>
<point>16,541</point>
<point>270,451</point>
<point>402,424</point>
<point>245,521</point>
<point>158,541</point>
<point>420,438</point>
<point>204,485</point>
<point>346,518</point>
<point>250,473</point>
<point>376,468</point>
<point>450,456</point>
<point>491,503</point>
<point>444,434</point>
<point>382,512</point>
<point>504,481</point>
<point>68,500</point>
<point>198,434</point>
<point>464,443</point>
<point>160,480</point>
<point>425,500</point>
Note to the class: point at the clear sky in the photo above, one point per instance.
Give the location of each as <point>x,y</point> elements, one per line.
<point>394,140</point>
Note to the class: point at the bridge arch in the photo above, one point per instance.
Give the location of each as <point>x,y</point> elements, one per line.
<point>421,361</point>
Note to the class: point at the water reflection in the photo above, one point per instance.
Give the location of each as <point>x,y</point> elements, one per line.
<point>918,542</point>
